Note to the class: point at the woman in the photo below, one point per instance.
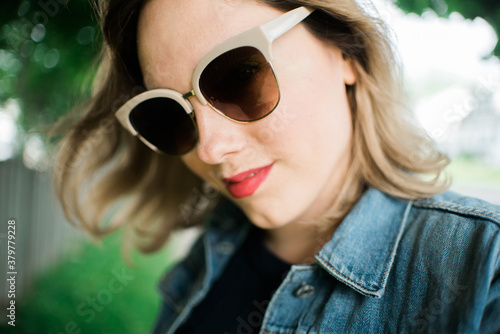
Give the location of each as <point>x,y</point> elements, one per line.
<point>278,126</point>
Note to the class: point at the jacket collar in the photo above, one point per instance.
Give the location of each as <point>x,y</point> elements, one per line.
<point>362,250</point>
<point>360,253</point>
<point>226,229</point>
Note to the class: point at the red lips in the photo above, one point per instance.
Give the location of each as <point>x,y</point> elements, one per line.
<point>246,183</point>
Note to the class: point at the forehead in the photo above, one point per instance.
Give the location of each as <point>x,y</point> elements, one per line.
<point>174,35</point>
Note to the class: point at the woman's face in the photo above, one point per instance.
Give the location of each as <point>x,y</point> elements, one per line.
<point>287,167</point>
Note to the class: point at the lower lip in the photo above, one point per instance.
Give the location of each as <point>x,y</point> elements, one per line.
<point>248,186</point>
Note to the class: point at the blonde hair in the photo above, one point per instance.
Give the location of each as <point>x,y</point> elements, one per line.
<point>100,164</point>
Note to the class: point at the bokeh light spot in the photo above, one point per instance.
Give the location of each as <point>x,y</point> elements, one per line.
<point>26,48</point>
<point>39,53</point>
<point>24,8</point>
<point>51,58</point>
<point>38,32</point>
<point>86,35</point>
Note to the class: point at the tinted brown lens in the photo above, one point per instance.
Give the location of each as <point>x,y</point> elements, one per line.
<point>164,123</point>
<point>241,84</point>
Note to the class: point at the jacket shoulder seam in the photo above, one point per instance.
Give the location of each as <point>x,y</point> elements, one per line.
<point>460,209</point>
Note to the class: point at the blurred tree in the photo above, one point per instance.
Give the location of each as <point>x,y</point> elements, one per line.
<point>470,9</point>
<point>47,49</point>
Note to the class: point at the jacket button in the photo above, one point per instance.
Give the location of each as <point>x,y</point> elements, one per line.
<point>225,247</point>
<point>304,290</point>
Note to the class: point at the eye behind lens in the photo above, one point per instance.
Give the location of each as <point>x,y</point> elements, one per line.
<point>240,84</point>
<point>164,123</point>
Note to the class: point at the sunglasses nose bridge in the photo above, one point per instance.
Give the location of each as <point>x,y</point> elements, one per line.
<point>189,94</point>
<point>188,97</point>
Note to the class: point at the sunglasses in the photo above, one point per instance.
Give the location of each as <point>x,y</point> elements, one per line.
<point>236,79</point>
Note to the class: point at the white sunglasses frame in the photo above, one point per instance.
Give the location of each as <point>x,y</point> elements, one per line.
<point>260,37</point>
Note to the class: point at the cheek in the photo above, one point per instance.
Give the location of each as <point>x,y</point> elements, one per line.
<point>313,114</point>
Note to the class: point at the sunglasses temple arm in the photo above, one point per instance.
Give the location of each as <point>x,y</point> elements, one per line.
<point>285,22</point>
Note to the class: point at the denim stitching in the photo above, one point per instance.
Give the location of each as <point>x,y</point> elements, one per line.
<point>388,261</point>
<point>402,226</point>
<point>349,282</point>
<point>448,206</point>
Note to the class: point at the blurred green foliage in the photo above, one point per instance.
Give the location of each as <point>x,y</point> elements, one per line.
<point>47,48</point>
<point>93,291</point>
<point>470,9</point>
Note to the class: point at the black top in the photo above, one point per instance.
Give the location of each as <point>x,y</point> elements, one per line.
<point>238,299</point>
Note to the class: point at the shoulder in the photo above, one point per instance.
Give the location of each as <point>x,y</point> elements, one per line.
<point>452,243</point>
<point>460,207</point>
<point>454,220</point>
<point>454,235</point>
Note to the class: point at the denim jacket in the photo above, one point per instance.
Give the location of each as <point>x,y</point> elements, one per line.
<point>392,266</point>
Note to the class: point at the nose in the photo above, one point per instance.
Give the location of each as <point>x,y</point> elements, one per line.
<point>219,137</point>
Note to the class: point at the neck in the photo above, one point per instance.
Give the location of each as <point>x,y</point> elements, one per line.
<point>297,243</point>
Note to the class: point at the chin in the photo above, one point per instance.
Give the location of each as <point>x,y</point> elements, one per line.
<point>267,218</point>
